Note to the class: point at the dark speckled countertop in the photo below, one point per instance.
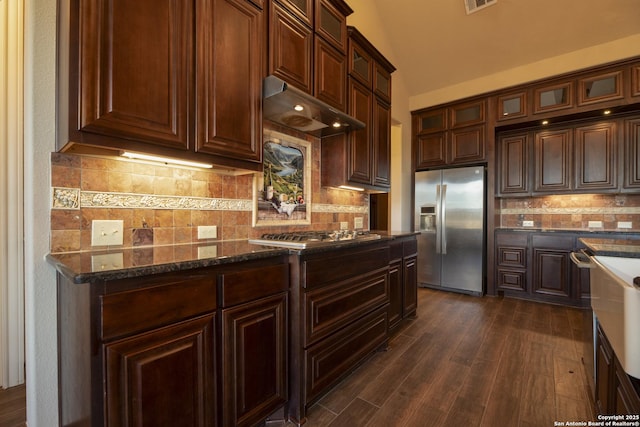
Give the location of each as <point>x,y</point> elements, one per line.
<point>629,248</point>
<point>92,266</point>
<point>83,267</point>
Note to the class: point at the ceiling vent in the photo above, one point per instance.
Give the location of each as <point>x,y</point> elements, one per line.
<point>476,5</point>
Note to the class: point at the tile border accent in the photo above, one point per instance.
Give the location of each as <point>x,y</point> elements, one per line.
<point>74,198</point>
<point>613,210</point>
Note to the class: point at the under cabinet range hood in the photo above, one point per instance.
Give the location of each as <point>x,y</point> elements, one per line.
<point>293,108</point>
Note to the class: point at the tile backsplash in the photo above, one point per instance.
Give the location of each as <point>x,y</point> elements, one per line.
<point>572,212</point>
<point>163,205</point>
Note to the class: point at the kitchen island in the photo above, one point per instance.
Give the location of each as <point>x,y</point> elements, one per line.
<point>223,334</point>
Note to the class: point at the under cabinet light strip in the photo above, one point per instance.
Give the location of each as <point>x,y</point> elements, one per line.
<point>167,160</point>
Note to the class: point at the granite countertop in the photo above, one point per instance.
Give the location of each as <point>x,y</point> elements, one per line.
<point>114,264</point>
<point>83,267</point>
<point>620,247</point>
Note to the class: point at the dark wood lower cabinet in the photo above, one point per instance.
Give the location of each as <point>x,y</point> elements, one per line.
<point>616,392</point>
<point>163,377</point>
<point>254,360</point>
<point>339,316</point>
<point>201,347</point>
<point>403,281</point>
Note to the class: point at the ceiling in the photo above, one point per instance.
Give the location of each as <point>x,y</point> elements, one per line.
<point>436,45</point>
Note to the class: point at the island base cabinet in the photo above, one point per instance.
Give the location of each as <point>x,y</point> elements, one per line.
<point>331,359</point>
<point>254,360</point>
<point>164,377</point>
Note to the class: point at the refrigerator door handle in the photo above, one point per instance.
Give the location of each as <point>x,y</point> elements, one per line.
<point>438,220</point>
<point>443,220</point>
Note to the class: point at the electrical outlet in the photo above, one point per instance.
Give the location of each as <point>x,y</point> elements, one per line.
<point>595,224</point>
<point>625,224</point>
<point>207,252</point>
<point>107,262</point>
<point>357,222</point>
<point>344,225</point>
<point>207,232</point>
<point>106,232</point>
<point>527,223</point>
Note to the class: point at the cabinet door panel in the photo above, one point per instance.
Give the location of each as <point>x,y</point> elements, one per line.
<point>330,76</point>
<point>165,377</point>
<point>467,145</point>
<point>632,154</point>
<point>410,296</point>
<point>395,293</point>
<point>360,107</point>
<point>254,360</point>
<point>229,80</point>
<point>514,162</point>
<point>382,143</point>
<point>431,150</point>
<point>551,272</point>
<point>596,158</point>
<point>553,160</point>
<point>135,70</point>
<point>290,47</point>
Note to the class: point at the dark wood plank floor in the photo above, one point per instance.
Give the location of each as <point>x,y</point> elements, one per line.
<point>465,361</point>
<point>13,407</point>
<point>469,361</point>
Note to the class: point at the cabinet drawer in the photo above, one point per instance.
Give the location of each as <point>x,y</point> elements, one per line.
<point>514,280</point>
<point>328,361</point>
<point>333,307</point>
<point>242,286</point>
<point>510,256</point>
<point>125,313</point>
<point>341,265</point>
<point>410,247</point>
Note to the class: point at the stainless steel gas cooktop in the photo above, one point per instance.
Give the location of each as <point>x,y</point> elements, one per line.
<point>309,239</point>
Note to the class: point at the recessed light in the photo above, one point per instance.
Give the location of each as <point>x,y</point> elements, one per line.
<point>298,107</point>
<point>337,124</point>
<point>606,112</point>
<point>545,122</point>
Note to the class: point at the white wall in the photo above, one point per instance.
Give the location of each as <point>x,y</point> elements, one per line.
<point>40,285</point>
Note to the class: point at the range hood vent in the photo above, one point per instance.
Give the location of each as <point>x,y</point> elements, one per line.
<point>293,108</point>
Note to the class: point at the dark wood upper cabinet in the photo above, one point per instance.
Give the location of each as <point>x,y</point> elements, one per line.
<point>362,158</point>
<point>229,80</point>
<point>512,106</point>
<point>555,97</point>
<point>635,80</point>
<point>596,157</point>
<point>600,88</point>
<point>302,9</point>
<point>632,153</point>
<point>331,74</point>
<point>331,22</point>
<point>553,160</point>
<point>129,72</point>
<point>170,78</point>
<point>514,163</point>
<point>454,135</point>
<point>290,48</point>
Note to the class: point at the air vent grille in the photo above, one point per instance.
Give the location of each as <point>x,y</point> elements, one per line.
<point>476,5</point>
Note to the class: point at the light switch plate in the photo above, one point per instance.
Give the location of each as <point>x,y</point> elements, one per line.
<point>625,224</point>
<point>344,225</point>
<point>595,224</point>
<point>357,222</point>
<point>107,262</point>
<point>207,232</point>
<point>207,252</point>
<point>106,232</point>
<point>527,223</point>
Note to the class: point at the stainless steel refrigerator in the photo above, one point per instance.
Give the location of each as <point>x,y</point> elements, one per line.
<point>449,214</point>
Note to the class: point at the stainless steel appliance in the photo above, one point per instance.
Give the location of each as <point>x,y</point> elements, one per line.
<point>311,239</point>
<point>449,214</point>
